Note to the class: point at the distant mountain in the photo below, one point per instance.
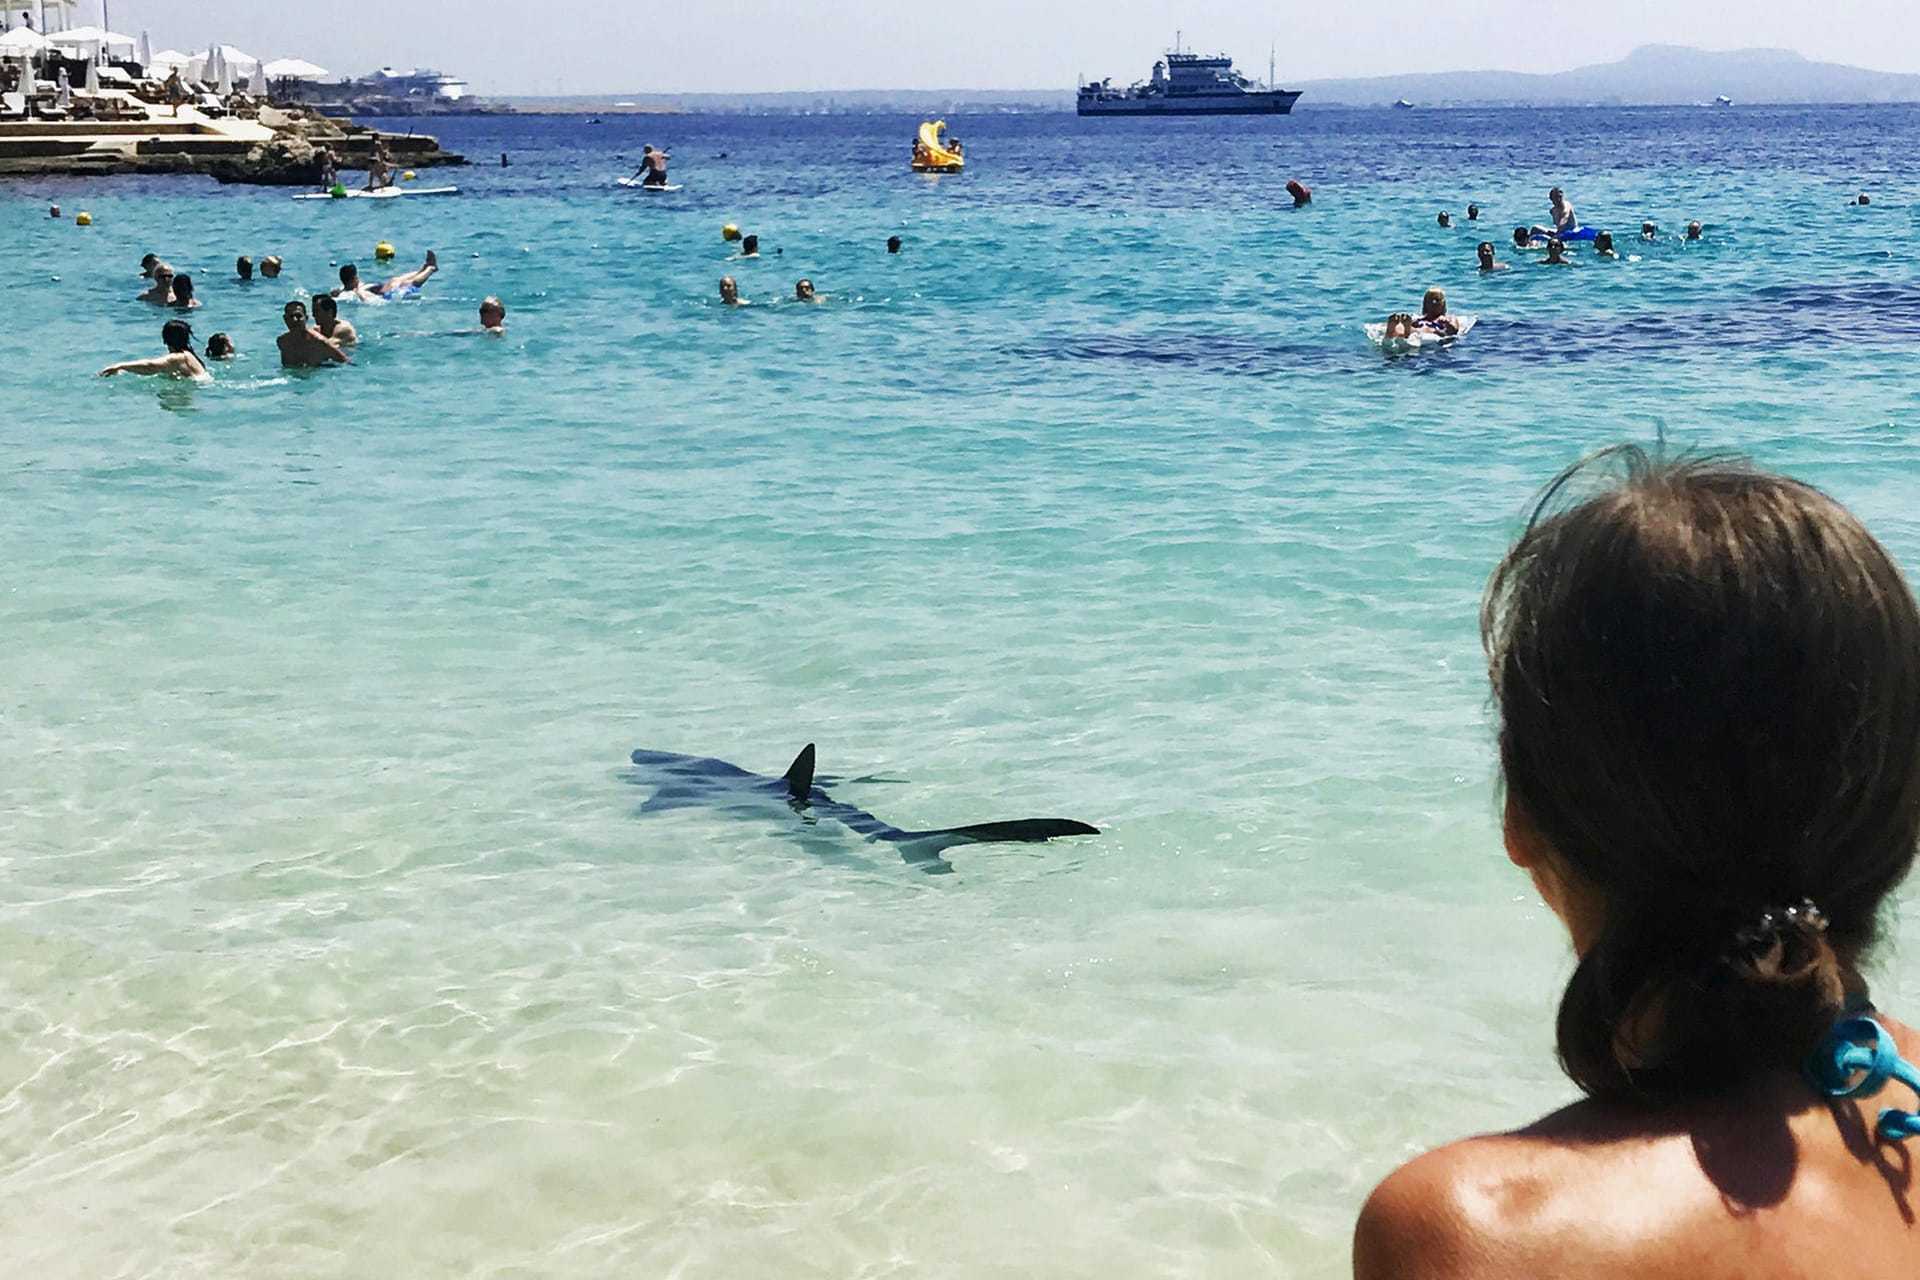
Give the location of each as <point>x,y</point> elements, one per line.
<point>1653,75</point>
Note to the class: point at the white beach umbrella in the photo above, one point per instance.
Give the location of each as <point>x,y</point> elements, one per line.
<point>295,69</point>
<point>27,85</point>
<point>144,54</point>
<point>93,77</point>
<point>239,59</point>
<point>22,41</point>
<point>92,38</point>
<point>168,61</point>
<point>224,82</point>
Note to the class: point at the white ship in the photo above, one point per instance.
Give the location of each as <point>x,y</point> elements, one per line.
<point>1188,84</point>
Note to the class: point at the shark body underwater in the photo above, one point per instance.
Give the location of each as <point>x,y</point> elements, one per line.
<point>683,782</point>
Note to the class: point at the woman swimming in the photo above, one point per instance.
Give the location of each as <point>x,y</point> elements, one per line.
<point>1708,686</point>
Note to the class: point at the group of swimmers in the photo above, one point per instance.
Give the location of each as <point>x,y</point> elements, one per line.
<point>803,290</point>
<point>1552,237</point>
<point>312,338</point>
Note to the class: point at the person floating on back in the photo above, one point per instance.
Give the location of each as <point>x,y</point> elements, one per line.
<point>1706,682</point>
<point>400,286</point>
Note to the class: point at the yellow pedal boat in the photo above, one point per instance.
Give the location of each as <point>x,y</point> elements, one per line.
<point>934,154</point>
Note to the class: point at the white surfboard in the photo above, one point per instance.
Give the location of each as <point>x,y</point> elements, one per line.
<point>636,183</point>
<point>382,193</point>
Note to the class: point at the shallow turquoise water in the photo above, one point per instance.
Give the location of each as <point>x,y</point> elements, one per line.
<point>332,941</point>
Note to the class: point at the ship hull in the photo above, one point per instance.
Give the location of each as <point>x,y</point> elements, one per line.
<point>1253,104</point>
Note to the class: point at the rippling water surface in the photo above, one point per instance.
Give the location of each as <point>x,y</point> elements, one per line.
<point>332,939</point>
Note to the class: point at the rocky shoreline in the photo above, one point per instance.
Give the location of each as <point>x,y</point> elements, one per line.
<point>275,148</point>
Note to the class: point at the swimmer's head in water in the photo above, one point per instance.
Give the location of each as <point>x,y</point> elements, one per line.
<point>1446,219</point>
<point>1485,250</point>
<point>270,266</point>
<point>1693,231</point>
<point>1648,230</point>
<point>749,245</point>
<point>350,276</point>
<point>243,267</point>
<point>1708,691</point>
<point>1556,249</point>
<point>804,291</point>
<point>893,244</point>
<point>1603,242</point>
<point>1473,213</point>
<point>183,288</point>
<point>177,334</point>
<point>1298,191</point>
<point>493,313</point>
<point>1865,198</point>
<point>219,347</point>
<point>295,314</point>
<point>729,291</point>
<point>324,307</point>
<point>162,276</point>
<point>1521,235</point>
<point>148,263</point>
<point>1434,303</point>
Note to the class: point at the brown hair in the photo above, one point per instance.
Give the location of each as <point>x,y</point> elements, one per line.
<point>1708,682</point>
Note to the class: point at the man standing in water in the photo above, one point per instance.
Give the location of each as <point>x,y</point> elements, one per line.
<point>653,164</point>
<point>326,318</point>
<point>304,347</point>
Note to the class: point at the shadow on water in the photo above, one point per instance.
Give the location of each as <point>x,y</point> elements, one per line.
<point>1778,318</point>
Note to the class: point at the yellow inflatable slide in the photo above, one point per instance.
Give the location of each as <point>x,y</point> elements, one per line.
<point>932,154</point>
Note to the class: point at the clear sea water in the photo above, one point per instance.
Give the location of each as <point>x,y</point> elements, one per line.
<point>332,939</point>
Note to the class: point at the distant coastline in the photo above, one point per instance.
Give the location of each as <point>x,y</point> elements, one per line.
<point>1651,76</point>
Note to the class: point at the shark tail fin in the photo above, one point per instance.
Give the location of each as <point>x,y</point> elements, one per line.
<point>799,774</point>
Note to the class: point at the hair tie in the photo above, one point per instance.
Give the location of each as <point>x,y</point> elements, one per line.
<point>1775,921</point>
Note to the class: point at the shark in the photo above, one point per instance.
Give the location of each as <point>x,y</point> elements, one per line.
<point>683,781</point>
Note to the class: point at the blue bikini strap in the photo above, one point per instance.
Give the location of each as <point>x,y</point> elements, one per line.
<point>1855,1059</point>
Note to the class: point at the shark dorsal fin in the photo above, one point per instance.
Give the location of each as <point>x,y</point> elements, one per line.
<point>799,774</point>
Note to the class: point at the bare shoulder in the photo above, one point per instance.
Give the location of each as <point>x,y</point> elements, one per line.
<point>1456,1213</point>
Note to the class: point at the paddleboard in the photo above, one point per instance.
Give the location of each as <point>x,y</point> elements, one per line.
<point>383,193</point>
<point>668,188</point>
<point>1377,334</point>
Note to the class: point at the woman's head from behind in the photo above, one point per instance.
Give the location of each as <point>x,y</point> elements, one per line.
<point>1708,681</point>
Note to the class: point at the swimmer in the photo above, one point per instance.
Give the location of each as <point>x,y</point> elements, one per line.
<point>654,165</point>
<point>53,211</point>
<point>803,292</point>
<point>161,295</point>
<point>183,298</point>
<point>1603,245</point>
<point>304,347</point>
<point>1523,238</point>
<point>243,268</point>
<point>1302,196</point>
<point>1722,879</point>
<point>1446,219</point>
<point>1649,232</point>
<point>493,316</point>
<point>147,264</point>
<point>1473,213</point>
<point>1487,261</point>
<point>1556,253</point>
<point>1693,231</point>
<point>179,362</point>
<point>220,347</point>
<point>1864,198</point>
<point>750,246</point>
<point>270,267</point>
<point>326,318</point>
<point>1564,219</point>
<point>730,293</point>
<point>893,244</point>
<point>1433,315</point>
<point>351,286</point>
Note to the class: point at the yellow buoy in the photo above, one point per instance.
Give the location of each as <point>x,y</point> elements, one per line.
<point>409,175</point>
<point>83,219</point>
<point>383,251</point>
<point>729,233</point>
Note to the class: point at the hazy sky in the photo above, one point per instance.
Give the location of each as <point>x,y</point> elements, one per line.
<point>642,46</point>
